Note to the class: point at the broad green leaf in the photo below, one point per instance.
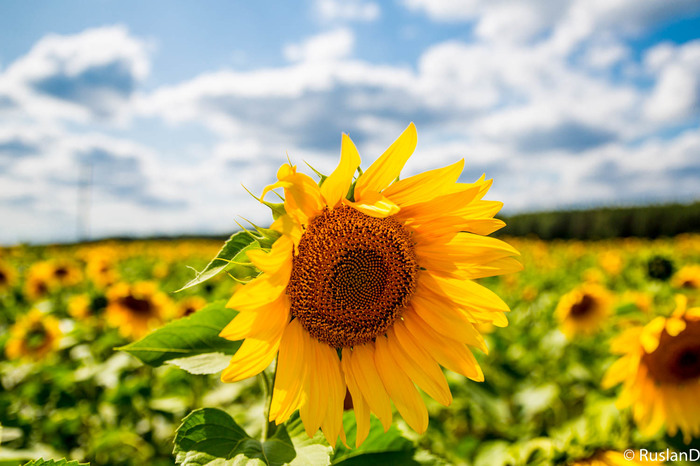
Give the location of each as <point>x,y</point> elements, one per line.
<point>61,462</point>
<point>233,251</point>
<point>378,448</point>
<point>189,336</point>
<point>210,436</point>
<point>314,450</point>
<point>206,363</point>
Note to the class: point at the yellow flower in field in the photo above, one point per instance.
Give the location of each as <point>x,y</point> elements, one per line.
<point>7,277</point>
<point>611,262</point>
<point>583,310</point>
<point>190,305</point>
<point>660,368</point>
<point>372,291</point>
<point>612,458</point>
<point>79,306</point>
<point>136,308</point>
<point>100,267</point>
<point>687,277</point>
<point>64,273</point>
<point>33,336</point>
<point>39,280</point>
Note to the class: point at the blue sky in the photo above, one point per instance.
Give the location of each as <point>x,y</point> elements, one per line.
<point>174,105</point>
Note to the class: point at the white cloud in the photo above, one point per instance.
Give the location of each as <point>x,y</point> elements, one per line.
<point>88,75</point>
<point>331,45</point>
<point>348,10</point>
<point>676,94</point>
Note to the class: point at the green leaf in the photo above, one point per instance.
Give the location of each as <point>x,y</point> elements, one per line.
<point>209,435</point>
<point>61,462</point>
<point>234,250</point>
<point>201,364</point>
<point>378,448</point>
<point>189,336</point>
<point>313,450</point>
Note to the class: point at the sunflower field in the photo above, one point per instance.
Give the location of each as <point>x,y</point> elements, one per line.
<point>88,372</point>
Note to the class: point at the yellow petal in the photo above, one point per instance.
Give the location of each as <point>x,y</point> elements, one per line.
<point>441,315</point>
<point>287,396</point>
<point>651,334</point>
<point>418,365</point>
<point>257,294</point>
<point>337,184</point>
<point>262,323</point>
<point>387,167</point>
<point>617,373</point>
<point>333,384</point>
<point>313,411</point>
<point>674,326</point>
<point>359,403</point>
<point>279,257</point>
<point>374,205</point>
<point>400,388</point>
<point>251,358</point>
<point>364,369</point>
<point>424,186</point>
<point>452,354</point>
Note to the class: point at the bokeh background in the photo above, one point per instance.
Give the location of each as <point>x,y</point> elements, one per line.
<point>131,118</point>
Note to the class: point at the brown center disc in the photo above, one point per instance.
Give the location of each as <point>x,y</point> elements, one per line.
<point>677,359</point>
<point>352,276</point>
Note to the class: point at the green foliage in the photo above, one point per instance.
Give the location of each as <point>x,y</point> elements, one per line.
<point>208,435</point>
<point>643,222</point>
<point>61,462</point>
<point>187,337</point>
<point>379,448</point>
<point>231,254</point>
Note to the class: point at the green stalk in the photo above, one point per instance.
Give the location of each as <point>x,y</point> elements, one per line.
<point>268,427</point>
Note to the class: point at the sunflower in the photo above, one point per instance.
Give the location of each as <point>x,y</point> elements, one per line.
<point>100,267</point>
<point>65,273</point>
<point>660,368</point>
<point>136,308</point>
<point>39,280</point>
<point>370,288</point>
<point>611,458</point>
<point>687,277</point>
<point>7,277</point>
<point>190,305</point>
<point>79,306</point>
<point>33,336</point>
<point>583,309</point>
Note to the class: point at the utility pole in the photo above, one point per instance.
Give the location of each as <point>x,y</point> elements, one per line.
<point>84,198</point>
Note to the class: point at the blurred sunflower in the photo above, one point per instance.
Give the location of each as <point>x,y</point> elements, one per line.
<point>39,280</point>
<point>660,369</point>
<point>7,277</point>
<point>64,274</point>
<point>136,308</point>
<point>100,268</point>
<point>33,336</point>
<point>370,287</point>
<point>583,309</point>
<point>190,305</point>
<point>687,277</point>
<point>79,306</point>
<point>611,458</point>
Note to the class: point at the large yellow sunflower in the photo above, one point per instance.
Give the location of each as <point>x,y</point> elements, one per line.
<point>583,309</point>
<point>33,336</point>
<point>136,308</point>
<point>660,368</point>
<point>370,288</point>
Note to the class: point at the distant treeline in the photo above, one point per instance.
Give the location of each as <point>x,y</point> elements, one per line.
<point>647,222</point>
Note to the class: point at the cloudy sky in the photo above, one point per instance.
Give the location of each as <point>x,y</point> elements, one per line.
<point>129,117</point>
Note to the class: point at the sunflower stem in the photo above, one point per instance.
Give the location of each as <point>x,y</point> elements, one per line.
<point>267,387</point>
